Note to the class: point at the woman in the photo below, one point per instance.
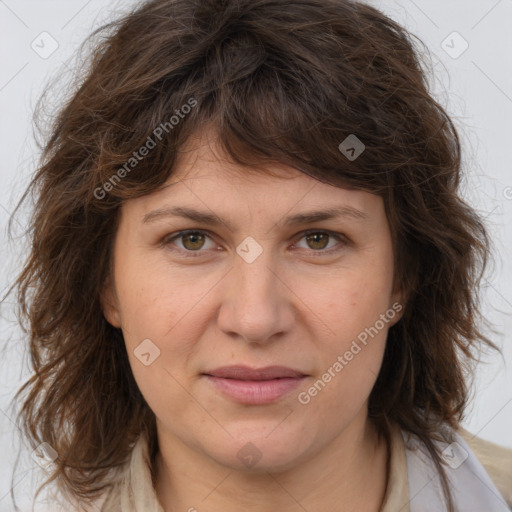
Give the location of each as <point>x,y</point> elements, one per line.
<point>253,284</point>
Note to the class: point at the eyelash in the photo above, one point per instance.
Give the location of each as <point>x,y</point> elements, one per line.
<point>194,254</point>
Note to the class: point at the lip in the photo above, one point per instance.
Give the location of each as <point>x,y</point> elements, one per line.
<point>247,373</point>
<point>255,386</point>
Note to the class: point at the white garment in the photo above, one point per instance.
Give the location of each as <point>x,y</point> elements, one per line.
<point>472,488</point>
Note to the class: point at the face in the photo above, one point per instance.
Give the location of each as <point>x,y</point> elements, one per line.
<point>263,287</point>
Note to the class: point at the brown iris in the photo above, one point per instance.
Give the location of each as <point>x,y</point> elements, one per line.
<point>196,241</point>
<point>315,237</point>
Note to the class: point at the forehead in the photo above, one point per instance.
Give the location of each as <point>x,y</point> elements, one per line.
<point>211,187</point>
<point>203,163</point>
<point>203,152</point>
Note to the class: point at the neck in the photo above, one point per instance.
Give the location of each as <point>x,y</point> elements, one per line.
<point>350,473</point>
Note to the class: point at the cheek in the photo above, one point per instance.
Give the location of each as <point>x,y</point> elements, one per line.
<point>165,308</point>
<point>349,367</point>
<point>155,300</point>
<point>351,303</point>
<point>353,337</point>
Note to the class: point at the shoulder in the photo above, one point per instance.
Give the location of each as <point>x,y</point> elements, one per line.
<point>472,475</point>
<point>496,459</point>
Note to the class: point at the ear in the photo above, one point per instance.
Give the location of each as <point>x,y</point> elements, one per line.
<point>110,304</point>
<point>397,304</point>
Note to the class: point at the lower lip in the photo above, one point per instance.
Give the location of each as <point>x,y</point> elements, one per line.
<point>255,392</point>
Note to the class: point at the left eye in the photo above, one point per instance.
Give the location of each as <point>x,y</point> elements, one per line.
<point>320,239</point>
<point>194,240</point>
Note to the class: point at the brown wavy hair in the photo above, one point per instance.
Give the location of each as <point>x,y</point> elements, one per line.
<point>280,81</point>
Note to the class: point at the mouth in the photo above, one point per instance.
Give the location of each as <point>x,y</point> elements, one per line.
<point>255,386</point>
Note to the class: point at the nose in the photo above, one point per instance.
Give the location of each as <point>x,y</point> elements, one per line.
<point>257,303</point>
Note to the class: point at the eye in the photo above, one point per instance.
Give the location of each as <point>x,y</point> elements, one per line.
<point>319,240</point>
<point>192,241</point>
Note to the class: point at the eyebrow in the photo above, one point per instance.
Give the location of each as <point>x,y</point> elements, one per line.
<point>210,218</point>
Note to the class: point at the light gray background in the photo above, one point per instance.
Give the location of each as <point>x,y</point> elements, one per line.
<point>475,87</point>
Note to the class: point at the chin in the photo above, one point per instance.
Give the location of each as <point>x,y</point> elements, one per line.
<point>268,453</point>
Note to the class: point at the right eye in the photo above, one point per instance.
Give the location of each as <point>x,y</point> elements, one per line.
<point>191,241</point>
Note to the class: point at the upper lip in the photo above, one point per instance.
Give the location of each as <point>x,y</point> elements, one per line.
<point>247,373</point>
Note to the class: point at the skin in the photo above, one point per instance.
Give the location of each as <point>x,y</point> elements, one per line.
<point>296,305</point>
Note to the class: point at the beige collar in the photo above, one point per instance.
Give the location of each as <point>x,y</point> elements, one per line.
<point>397,491</point>
<point>134,492</point>
<point>133,489</point>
